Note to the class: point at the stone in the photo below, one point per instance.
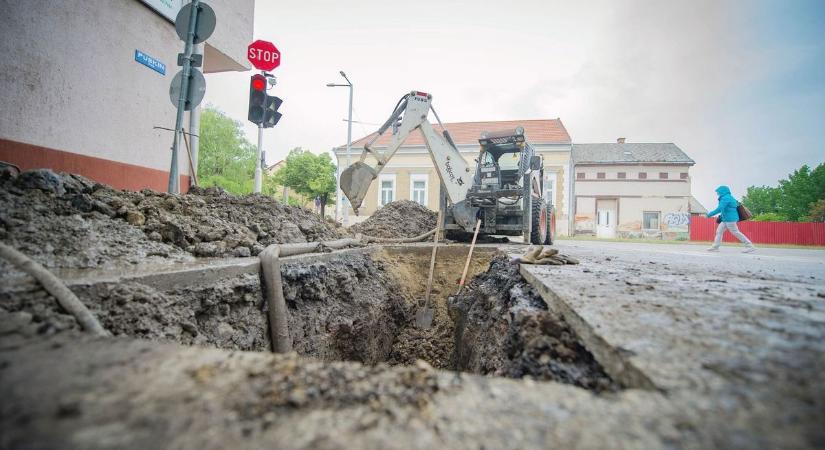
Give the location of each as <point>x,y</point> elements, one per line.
<point>135,218</point>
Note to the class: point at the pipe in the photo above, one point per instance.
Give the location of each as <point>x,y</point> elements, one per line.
<point>419,238</point>
<point>273,286</point>
<point>66,298</point>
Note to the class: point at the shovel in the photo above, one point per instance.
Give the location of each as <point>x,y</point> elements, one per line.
<point>424,316</point>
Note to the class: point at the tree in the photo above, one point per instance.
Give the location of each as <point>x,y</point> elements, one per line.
<point>762,199</point>
<point>226,158</point>
<point>799,191</point>
<point>795,199</point>
<point>308,174</point>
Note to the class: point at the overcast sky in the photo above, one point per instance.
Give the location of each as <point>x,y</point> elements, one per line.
<point>738,85</point>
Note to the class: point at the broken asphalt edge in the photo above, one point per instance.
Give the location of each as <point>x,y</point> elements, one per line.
<point>614,363</point>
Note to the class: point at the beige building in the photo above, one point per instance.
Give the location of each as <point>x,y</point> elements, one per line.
<point>86,83</point>
<point>410,174</point>
<point>632,190</point>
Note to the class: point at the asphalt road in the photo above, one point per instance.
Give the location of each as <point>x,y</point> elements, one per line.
<point>793,264</point>
<point>735,339</point>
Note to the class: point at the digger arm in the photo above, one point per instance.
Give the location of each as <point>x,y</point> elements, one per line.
<point>451,167</point>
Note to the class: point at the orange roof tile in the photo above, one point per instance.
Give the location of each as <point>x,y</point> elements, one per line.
<point>542,131</point>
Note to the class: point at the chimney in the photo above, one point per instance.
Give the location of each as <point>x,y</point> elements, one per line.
<point>620,140</point>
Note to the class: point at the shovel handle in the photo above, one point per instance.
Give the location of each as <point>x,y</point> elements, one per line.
<point>469,256</point>
<point>432,259</point>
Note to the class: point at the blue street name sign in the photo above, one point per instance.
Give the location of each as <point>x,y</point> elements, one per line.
<point>150,62</point>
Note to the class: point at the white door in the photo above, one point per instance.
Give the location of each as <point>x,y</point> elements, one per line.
<point>606,219</point>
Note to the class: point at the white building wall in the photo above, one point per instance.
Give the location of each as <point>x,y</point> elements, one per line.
<point>70,81</point>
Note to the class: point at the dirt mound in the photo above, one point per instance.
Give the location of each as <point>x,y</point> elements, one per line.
<point>400,219</point>
<point>65,220</point>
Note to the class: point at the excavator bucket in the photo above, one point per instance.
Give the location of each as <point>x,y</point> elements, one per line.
<point>355,181</point>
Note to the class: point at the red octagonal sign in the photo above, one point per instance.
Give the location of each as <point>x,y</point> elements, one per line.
<point>263,55</point>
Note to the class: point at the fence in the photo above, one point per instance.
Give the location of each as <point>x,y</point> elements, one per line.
<point>799,233</point>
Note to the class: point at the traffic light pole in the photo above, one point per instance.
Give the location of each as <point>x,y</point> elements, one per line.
<point>174,178</point>
<point>258,169</point>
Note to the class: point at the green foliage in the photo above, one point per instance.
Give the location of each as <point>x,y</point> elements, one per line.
<point>762,199</point>
<point>308,174</point>
<point>795,199</point>
<point>769,217</point>
<point>226,159</point>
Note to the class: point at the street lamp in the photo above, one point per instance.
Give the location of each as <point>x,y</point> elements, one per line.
<point>349,144</point>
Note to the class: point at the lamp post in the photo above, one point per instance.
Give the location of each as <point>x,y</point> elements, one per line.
<point>340,199</point>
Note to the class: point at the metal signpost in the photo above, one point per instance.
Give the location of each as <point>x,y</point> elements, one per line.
<point>194,24</point>
<point>265,57</point>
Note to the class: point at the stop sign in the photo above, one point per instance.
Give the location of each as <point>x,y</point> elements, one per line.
<point>263,55</point>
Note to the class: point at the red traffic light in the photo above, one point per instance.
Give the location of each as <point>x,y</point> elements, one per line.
<point>258,82</point>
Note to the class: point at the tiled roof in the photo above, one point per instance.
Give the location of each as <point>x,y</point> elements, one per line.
<point>545,131</point>
<point>613,153</point>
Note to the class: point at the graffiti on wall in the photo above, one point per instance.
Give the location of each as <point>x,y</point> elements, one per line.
<point>677,221</point>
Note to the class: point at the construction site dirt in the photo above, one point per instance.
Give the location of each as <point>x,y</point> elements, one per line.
<point>523,357</point>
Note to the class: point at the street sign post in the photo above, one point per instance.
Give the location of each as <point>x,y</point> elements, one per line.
<point>265,57</point>
<point>194,24</point>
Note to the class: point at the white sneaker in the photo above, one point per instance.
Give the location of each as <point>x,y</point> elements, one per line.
<point>712,249</point>
<point>749,250</point>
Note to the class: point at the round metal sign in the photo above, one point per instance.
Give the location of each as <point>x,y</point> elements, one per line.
<point>196,89</point>
<point>205,23</point>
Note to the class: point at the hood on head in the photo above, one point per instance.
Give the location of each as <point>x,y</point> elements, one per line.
<point>723,190</point>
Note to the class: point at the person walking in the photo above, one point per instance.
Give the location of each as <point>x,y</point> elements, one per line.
<point>728,217</point>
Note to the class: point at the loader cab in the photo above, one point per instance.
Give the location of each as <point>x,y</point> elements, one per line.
<point>502,158</point>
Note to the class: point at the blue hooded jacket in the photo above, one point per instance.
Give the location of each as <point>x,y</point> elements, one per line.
<point>727,205</point>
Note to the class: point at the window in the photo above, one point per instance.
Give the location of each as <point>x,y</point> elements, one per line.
<point>650,220</point>
<point>600,175</point>
<point>386,191</point>
<point>550,187</point>
<point>621,175</point>
<point>683,175</point>
<point>663,175</point>
<point>418,188</point>
<point>580,175</point>
<point>642,175</point>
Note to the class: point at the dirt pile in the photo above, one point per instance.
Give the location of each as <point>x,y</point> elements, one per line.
<point>65,220</point>
<point>503,327</point>
<point>400,219</point>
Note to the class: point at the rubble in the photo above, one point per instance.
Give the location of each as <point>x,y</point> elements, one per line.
<point>398,219</point>
<point>68,221</point>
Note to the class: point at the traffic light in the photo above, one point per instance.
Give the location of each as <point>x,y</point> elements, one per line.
<point>257,99</point>
<point>271,114</point>
<point>263,108</point>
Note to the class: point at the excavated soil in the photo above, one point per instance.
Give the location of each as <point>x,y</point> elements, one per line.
<point>353,306</point>
<point>65,220</point>
<point>399,219</point>
<point>504,328</point>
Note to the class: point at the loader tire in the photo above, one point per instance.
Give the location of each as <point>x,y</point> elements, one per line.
<point>551,226</point>
<point>538,222</point>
